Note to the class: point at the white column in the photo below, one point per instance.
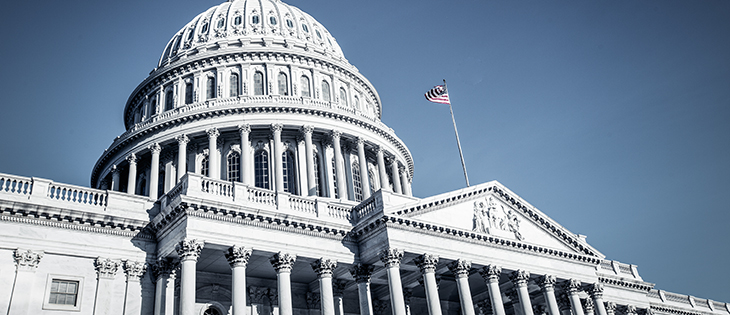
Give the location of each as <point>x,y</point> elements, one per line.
<point>214,171</point>
<point>189,251</point>
<point>133,300</point>
<point>384,182</point>
<point>427,263</point>
<point>27,263</point>
<point>362,274</point>
<point>597,295</point>
<point>154,169</point>
<point>394,169</point>
<point>573,287</point>
<point>309,157</point>
<point>460,268</point>
<point>283,263</point>
<point>162,271</point>
<point>246,162</point>
<point>238,260</point>
<point>323,268</point>
<point>364,178</point>
<point>547,283</point>
<point>519,280</point>
<point>339,164</point>
<point>106,272</point>
<point>491,275</point>
<point>392,257</point>
<point>277,161</point>
<point>182,155</point>
<point>405,182</point>
<point>115,178</point>
<point>132,178</point>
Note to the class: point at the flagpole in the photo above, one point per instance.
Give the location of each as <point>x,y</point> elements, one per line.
<point>463,165</point>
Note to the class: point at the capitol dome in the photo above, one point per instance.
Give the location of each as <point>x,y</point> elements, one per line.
<point>257,93</point>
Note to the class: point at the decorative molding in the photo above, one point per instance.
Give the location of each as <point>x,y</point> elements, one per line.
<point>338,287</point>
<point>491,273</point>
<point>155,148</point>
<point>244,128</point>
<point>106,268</point>
<point>189,249</point>
<point>313,300</point>
<point>596,290</point>
<point>361,273</point>
<point>132,159</point>
<point>573,286</point>
<point>134,269</point>
<point>238,256</point>
<point>324,267</point>
<point>520,277</point>
<point>283,262</point>
<point>460,268</point>
<point>182,139</point>
<point>163,267</point>
<point>626,283</point>
<point>427,263</point>
<point>276,128</point>
<point>391,257</point>
<point>213,132</point>
<point>26,259</point>
<point>547,282</point>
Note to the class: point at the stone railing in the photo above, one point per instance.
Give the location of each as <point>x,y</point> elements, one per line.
<point>10,184</point>
<point>620,269</point>
<point>194,185</point>
<point>688,301</point>
<point>76,194</point>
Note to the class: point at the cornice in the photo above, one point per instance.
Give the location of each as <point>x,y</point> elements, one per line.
<point>77,221</point>
<point>626,283</point>
<point>396,222</point>
<point>251,218</point>
<point>675,310</point>
<point>128,138</point>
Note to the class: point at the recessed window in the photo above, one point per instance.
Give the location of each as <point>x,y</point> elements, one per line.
<point>237,20</point>
<point>63,293</point>
<point>261,169</point>
<point>204,28</point>
<point>329,41</point>
<point>210,87</point>
<point>334,178</point>
<point>189,93</point>
<point>289,23</point>
<point>234,167</point>
<point>356,181</point>
<point>316,174</point>
<point>204,166</point>
<point>221,23</point>
<point>318,34</point>
<point>304,86</point>
<point>305,28</point>
<point>234,85</point>
<point>325,91</point>
<point>287,161</point>
<point>272,20</point>
<point>258,83</point>
<point>190,35</point>
<point>283,84</point>
<point>255,19</point>
<point>169,100</point>
<point>343,96</point>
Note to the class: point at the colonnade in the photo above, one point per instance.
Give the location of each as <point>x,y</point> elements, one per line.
<point>330,292</point>
<point>383,161</point>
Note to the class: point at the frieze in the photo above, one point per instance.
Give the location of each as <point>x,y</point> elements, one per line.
<point>630,284</point>
<point>490,215</point>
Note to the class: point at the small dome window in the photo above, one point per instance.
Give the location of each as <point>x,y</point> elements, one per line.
<point>190,35</point>
<point>237,20</point>
<point>318,34</point>
<point>329,41</point>
<point>221,23</point>
<point>255,19</point>
<point>289,23</point>
<point>204,28</point>
<point>272,20</point>
<point>305,28</point>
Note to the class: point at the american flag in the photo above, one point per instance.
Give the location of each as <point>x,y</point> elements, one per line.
<point>438,95</point>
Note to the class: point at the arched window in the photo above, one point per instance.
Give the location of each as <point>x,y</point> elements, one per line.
<point>316,174</point>
<point>204,166</point>
<point>372,182</point>
<point>290,182</point>
<point>304,86</point>
<point>189,93</point>
<point>356,103</point>
<point>334,178</point>
<point>261,169</point>
<point>325,91</point>
<point>169,100</point>
<point>343,96</point>
<point>258,83</point>
<point>210,87</point>
<point>234,167</point>
<point>153,106</point>
<point>283,84</point>
<point>234,85</point>
<point>356,181</point>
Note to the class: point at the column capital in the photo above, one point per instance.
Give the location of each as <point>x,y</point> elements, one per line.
<point>427,263</point>
<point>282,262</point>
<point>106,268</point>
<point>238,256</point>
<point>256,294</point>
<point>588,305</point>
<point>338,287</point>
<point>307,129</point>
<point>378,149</point>
<point>155,148</point>
<point>361,273</point>
<point>335,134</point>
<point>244,128</point>
<point>485,306</point>
<point>182,139</point>
<point>460,268</point>
<point>596,290</point>
<point>547,282</point>
<point>189,249</point>
<point>132,158</point>
<point>391,257</point>
<point>27,259</point>
<point>134,269</point>
<point>163,267</point>
<point>610,307</point>
<point>572,286</point>
<point>512,294</point>
<point>360,141</point>
<point>115,169</point>
<point>491,272</point>
<point>520,277</point>
<point>213,132</point>
<point>277,127</point>
<point>630,309</point>
<point>324,267</point>
<point>313,300</point>
<point>273,295</point>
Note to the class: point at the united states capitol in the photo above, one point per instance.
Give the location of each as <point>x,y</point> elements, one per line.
<point>255,176</point>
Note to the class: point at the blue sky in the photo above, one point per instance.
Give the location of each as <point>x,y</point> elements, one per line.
<point>609,116</point>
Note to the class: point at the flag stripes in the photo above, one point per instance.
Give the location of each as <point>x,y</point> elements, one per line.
<point>438,95</point>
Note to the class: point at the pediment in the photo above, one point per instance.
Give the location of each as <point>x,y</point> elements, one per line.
<point>491,209</point>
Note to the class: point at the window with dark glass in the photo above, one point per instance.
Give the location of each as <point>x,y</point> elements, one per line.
<point>221,23</point>
<point>210,88</point>
<point>189,93</point>
<point>153,106</point>
<point>234,167</point>
<point>283,84</point>
<point>356,181</point>
<point>255,19</point>
<point>261,169</point>
<point>289,23</point>
<point>258,83</point>
<point>234,85</point>
<point>356,102</point>
<point>237,20</point>
<point>204,28</point>
<point>304,86</point>
<point>305,28</point>
<point>372,183</point>
<point>204,166</point>
<point>343,96</point>
<point>316,174</point>
<point>290,184</point>
<point>318,34</point>
<point>63,292</point>
<point>325,91</point>
<point>272,20</point>
<point>334,178</point>
<point>169,100</point>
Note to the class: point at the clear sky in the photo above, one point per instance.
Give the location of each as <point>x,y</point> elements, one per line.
<point>612,117</point>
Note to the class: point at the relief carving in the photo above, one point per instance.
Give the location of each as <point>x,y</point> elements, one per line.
<point>490,215</point>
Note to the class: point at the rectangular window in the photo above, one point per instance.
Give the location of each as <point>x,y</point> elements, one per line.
<point>63,293</point>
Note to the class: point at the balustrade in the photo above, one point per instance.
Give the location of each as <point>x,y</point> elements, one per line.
<point>75,194</point>
<point>15,184</point>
